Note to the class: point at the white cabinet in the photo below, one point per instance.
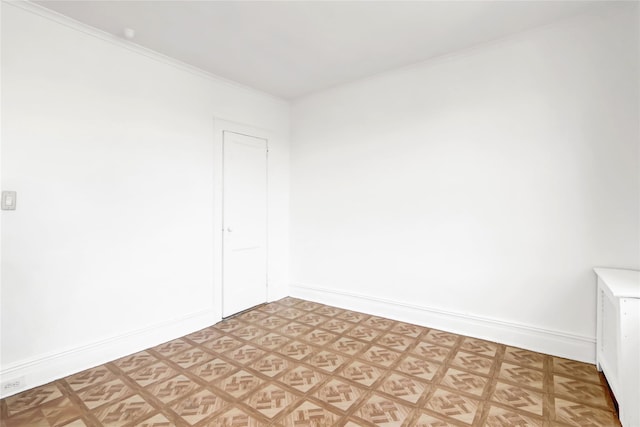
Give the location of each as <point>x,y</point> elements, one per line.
<point>618,338</point>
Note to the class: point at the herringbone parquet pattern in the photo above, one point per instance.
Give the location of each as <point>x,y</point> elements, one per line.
<point>295,363</point>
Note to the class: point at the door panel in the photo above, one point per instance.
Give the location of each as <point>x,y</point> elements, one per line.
<point>244,271</point>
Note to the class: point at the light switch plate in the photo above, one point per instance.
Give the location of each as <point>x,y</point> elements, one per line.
<point>8,200</point>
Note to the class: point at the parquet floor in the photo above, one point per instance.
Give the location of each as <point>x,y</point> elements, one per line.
<point>298,363</point>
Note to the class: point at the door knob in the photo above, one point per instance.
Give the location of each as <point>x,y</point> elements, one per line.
<point>229,230</point>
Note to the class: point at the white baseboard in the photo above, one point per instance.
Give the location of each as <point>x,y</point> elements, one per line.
<point>50,367</point>
<point>546,341</point>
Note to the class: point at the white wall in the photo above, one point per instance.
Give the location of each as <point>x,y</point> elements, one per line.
<point>111,151</point>
<point>474,192</point>
<point>477,191</point>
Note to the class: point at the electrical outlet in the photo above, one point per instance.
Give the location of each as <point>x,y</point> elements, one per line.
<point>11,386</point>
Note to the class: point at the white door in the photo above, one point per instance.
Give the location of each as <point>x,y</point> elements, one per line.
<point>244,264</point>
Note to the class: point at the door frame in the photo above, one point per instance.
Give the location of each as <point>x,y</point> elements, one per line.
<point>221,125</point>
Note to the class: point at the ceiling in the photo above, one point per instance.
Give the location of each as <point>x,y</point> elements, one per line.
<point>294,48</point>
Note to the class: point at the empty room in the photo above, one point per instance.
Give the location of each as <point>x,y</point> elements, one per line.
<point>320,213</point>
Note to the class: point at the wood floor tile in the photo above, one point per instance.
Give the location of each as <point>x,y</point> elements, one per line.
<point>33,398</point>
<point>453,405</point>
<point>312,319</point>
<point>364,333</point>
<point>308,305</point>
<point>581,391</point>
<point>309,414</point>
<point>519,398</point>
<point>383,411</point>
<point>204,335</point>
<point>407,329</point>
<point>272,341</point>
<point>271,400</point>
<point>297,350</point>
<point>89,378</point>
<point>381,356</point>
<point>235,417</point>
<point>326,310</point>
<point>173,388</point>
<point>229,325</point>
<point>340,394</point>
<point>328,361</point>
<point>222,344</point>
<point>521,375</point>
<point>428,420</point>
<point>522,357</point>
<point>157,420</point>
<point>153,373</point>
<point>337,326</point>
<point>272,322</point>
<point>419,368</point>
<point>271,308</point>
<point>473,362</point>
<point>250,332</point>
<point>124,412</point>
<point>56,412</point>
<point>172,347</point>
<point>60,411</point>
<point>191,357</point>
<point>198,406</point>
<point>295,329</point>
<point>429,351</point>
<point>271,365</point>
<point>465,382</point>
<point>28,418</point>
<point>302,378</point>
<point>79,423</point>
<point>441,338</point>
<point>482,347</point>
<point>379,323</point>
<point>213,369</point>
<point>135,361</point>
<point>395,341</point>
<point>103,394</point>
<point>573,369</point>
<point>577,414</point>
<point>245,355</point>
<point>347,345</point>
<point>297,363</point>
<point>402,387</point>
<point>289,301</point>
<point>319,337</point>
<point>239,384</point>
<point>352,316</point>
<point>291,313</point>
<point>253,316</point>
<point>362,372</point>
<point>500,417</point>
